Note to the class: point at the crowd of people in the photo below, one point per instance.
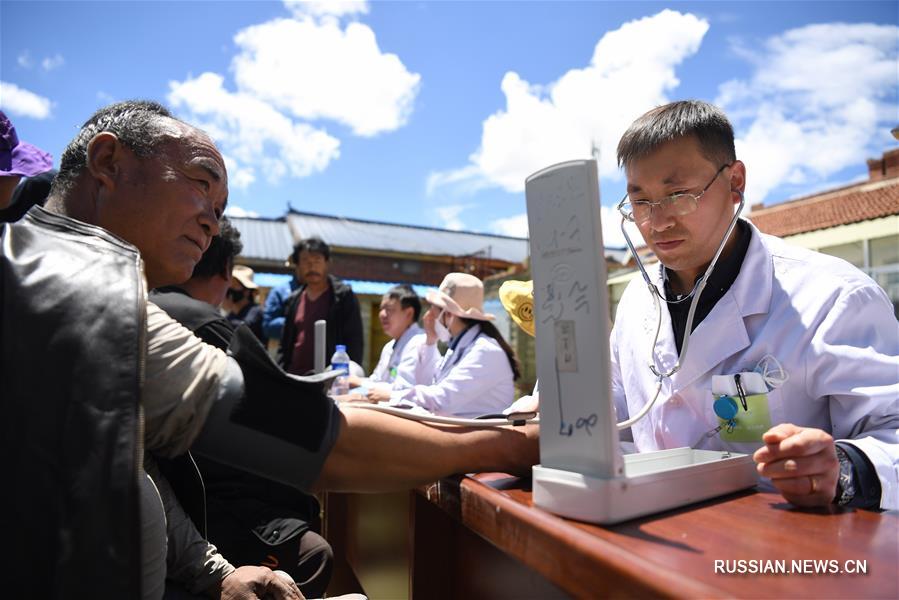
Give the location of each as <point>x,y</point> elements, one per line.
<point>115,398</point>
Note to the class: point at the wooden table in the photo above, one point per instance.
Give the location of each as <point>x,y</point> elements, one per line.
<point>481,537</point>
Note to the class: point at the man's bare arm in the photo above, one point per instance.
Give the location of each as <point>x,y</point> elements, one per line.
<point>377,452</point>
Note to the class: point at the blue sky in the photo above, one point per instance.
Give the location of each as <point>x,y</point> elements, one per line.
<point>433,113</point>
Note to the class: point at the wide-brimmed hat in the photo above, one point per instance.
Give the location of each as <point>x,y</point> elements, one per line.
<point>462,295</point>
<point>517,298</point>
<point>244,275</point>
<point>18,157</point>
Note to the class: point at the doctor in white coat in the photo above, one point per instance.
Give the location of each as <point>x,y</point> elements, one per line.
<point>399,365</point>
<point>475,376</point>
<point>813,340</point>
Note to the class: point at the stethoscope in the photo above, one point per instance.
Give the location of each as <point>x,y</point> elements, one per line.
<point>453,356</point>
<point>695,293</point>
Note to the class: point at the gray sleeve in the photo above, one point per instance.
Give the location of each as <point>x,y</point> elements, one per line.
<point>190,560</point>
<point>182,379</point>
<point>260,453</point>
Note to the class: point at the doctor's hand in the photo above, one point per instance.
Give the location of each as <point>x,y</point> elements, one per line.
<point>377,394</point>
<point>801,462</point>
<point>427,322</point>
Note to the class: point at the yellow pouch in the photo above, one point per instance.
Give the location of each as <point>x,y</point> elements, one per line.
<point>750,424</point>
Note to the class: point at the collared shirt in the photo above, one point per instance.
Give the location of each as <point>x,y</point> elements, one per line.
<point>398,365</point>
<point>720,279</point>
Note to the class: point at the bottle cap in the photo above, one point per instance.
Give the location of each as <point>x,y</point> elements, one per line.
<point>341,348</point>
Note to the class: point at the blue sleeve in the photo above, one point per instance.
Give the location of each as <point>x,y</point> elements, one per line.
<point>273,313</point>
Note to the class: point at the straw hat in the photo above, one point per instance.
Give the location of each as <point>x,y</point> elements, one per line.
<point>244,275</point>
<point>462,295</point>
<point>517,298</point>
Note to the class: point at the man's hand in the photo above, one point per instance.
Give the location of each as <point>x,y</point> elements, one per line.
<point>252,583</point>
<point>801,462</point>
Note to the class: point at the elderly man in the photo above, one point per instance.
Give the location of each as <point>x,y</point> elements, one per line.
<point>92,374</point>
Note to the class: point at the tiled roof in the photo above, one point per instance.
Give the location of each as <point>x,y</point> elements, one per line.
<point>842,206</point>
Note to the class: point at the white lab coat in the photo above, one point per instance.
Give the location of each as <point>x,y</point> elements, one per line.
<point>403,355</point>
<point>470,380</point>
<point>830,327</point>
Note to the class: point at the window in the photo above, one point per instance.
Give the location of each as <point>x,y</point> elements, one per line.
<point>884,250</point>
<point>853,252</point>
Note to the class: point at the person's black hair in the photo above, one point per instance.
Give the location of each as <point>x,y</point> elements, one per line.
<point>219,257</point>
<point>706,122</point>
<point>406,296</point>
<point>315,245</point>
<point>490,330</point>
<point>138,124</point>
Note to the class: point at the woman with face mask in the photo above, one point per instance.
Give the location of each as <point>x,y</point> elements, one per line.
<point>475,376</point>
<point>240,301</point>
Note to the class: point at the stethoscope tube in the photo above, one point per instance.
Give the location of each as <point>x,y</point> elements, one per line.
<point>657,295</point>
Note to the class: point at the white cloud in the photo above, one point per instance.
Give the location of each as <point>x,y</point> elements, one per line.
<point>325,8</point>
<point>516,225</point>
<point>235,211</point>
<point>53,62</point>
<point>105,97</point>
<point>25,60</point>
<point>468,178</point>
<point>21,102</point>
<point>317,70</point>
<point>448,216</point>
<point>289,74</point>
<point>818,101</point>
<point>239,176</point>
<point>612,237</point>
<point>631,70</point>
<point>254,135</point>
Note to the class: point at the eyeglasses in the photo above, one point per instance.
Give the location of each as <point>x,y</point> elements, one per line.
<point>640,211</point>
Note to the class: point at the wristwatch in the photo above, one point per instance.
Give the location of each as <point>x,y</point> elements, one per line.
<point>845,481</point>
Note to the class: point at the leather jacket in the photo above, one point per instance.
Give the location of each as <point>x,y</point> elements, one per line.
<point>72,350</point>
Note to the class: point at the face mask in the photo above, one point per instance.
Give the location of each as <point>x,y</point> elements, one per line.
<point>443,334</point>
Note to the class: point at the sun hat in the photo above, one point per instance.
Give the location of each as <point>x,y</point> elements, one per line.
<point>517,297</point>
<point>462,295</point>
<point>244,275</point>
<point>18,157</point>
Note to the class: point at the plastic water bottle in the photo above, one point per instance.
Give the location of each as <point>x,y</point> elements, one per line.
<point>340,361</point>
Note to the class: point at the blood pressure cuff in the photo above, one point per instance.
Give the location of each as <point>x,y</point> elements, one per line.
<point>268,422</point>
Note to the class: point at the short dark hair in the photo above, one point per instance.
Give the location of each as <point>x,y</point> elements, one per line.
<point>706,122</point>
<point>312,244</point>
<point>406,296</point>
<point>219,257</point>
<point>137,123</point>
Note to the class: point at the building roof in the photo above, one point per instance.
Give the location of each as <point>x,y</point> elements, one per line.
<point>264,239</point>
<point>391,237</point>
<point>842,206</point>
<point>272,239</point>
<point>360,286</point>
